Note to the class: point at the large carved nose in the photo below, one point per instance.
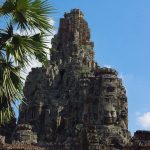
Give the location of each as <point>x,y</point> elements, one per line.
<point>109,115</point>
<point>114,114</point>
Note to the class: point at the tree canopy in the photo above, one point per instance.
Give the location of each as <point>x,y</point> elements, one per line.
<point>17,48</point>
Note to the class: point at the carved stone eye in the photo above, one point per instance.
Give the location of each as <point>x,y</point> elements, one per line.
<point>107,99</point>
<point>110,89</point>
<point>113,113</point>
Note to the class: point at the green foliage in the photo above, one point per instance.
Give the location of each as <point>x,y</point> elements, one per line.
<point>26,16</point>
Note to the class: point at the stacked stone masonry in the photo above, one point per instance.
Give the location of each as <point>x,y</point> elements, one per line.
<point>74,104</point>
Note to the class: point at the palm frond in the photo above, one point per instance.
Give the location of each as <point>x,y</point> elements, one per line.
<point>7,7</point>
<point>10,89</point>
<point>21,48</point>
<point>29,14</point>
<point>17,49</point>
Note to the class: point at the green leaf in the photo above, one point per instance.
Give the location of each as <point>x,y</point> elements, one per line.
<point>16,50</point>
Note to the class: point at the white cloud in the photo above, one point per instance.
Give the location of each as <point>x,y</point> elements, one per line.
<point>125,76</point>
<point>122,76</point>
<point>107,66</point>
<point>34,63</point>
<point>144,120</point>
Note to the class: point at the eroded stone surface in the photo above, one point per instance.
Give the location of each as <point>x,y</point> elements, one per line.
<point>74,96</point>
<point>74,103</point>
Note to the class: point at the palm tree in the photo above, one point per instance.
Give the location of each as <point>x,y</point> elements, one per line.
<point>26,16</point>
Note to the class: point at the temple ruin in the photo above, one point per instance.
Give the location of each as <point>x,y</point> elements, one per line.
<point>74,104</point>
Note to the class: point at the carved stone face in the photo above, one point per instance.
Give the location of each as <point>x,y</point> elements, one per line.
<point>123,114</point>
<point>110,115</point>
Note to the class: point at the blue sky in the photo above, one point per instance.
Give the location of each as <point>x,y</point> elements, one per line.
<point>121,33</point>
<point>120,30</point>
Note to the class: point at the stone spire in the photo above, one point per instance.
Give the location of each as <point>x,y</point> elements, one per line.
<point>72,43</point>
<point>73,102</point>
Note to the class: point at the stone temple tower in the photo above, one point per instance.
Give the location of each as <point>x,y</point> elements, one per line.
<point>73,103</point>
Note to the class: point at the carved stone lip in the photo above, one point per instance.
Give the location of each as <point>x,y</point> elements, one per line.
<point>108,120</point>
